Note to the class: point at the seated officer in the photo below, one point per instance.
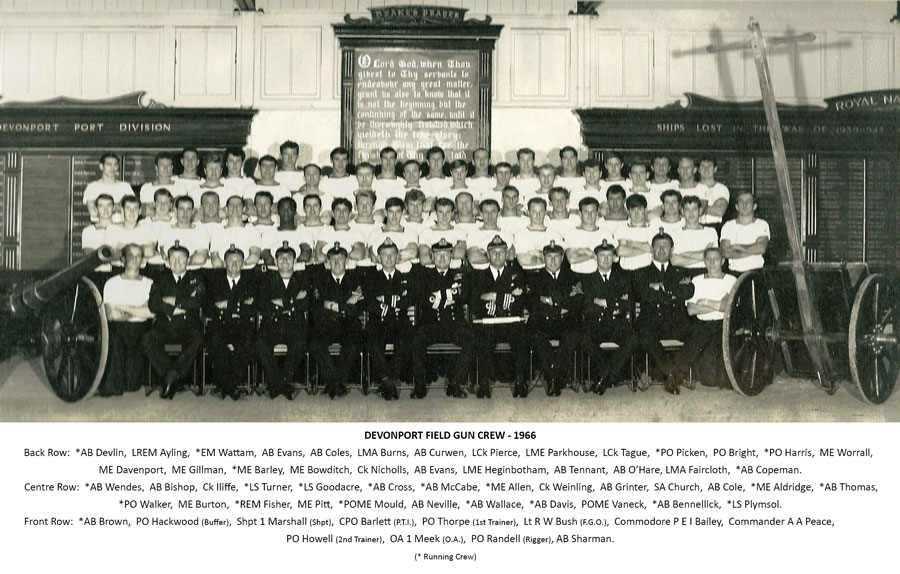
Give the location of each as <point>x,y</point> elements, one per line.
<point>606,317</point>
<point>662,290</point>
<point>497,301</point>
<point>176,298</point>
<point>335,319</point>
<point>553,298</point>
<point>231,307</point>
<point>440,296</point>
<point>284,296</point>
<point>388,297</point>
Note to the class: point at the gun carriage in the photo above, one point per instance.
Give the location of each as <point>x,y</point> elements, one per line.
<point>63,316</point>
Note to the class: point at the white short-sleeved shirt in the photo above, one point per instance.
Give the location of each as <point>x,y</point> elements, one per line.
<point>339,187</point>
<point>121,291</point>
<point>642,234</point>
<point>570,183</point>
<point>401,239</point>
<point>612,225</point>
<point>480,238</point>
<point>243,237</point>
<point>525,185</point>
<point>385,188</point>
<point>480,185</point>
<point>193,239</point>
<point>658,188</point>
<point>92,237</point>
<point>582,238</point>
<point>491,194</point>
<point>278,192</point>
<point>414,226</point>
<point>581,192</point>
<point>116,190</point>
<point>315,231</point>
<point>239,186</point>
<point>711,288</point>
<point>467,226</point>
<point>512,223</point>
<point>562,226</point>
<point>157,227</point>
<point>212,228</point>
<point>527,240</point>
<point>606,184</point>
<point>669,227</point>
<point>185,187</point>
<point>747,234</point>
<point>694,240</point>
<point>713,194</point>
<point>435,186</point>
<point>149,189</point>
<point>653,198</point>
<point>293,179</point>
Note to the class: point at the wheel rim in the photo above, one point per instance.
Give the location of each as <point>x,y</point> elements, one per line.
<point>74,341</point>
<point>873,340</point>
<point>746,345</point>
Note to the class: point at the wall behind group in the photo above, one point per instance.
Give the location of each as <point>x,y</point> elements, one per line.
<point>284,61</point>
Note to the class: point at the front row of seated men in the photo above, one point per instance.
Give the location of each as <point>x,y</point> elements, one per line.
<point>313,309</point>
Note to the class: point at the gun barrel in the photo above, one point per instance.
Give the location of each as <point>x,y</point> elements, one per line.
<point>34,296</point>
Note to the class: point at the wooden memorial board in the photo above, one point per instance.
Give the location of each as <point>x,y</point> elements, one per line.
<point>414,77</point>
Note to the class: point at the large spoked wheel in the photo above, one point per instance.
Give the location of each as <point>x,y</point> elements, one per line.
<point>873,342</point>
<point>75,341</point>
<point>748,350</point>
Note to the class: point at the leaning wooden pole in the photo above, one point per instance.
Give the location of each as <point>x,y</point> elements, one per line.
<point>806,296</point>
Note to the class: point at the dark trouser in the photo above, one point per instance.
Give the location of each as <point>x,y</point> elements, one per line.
<point>378,335</point>
<point>556,362</point>
<point>349,340</point>
<point>650,333</point>
<point>487,337</point>
<point>229,368</point>
<point>592,334</point>
<point>186,333</point>
<point>125,369</point>
<point>704,348</point>
<point>271,334</point>
<point>430,333</point>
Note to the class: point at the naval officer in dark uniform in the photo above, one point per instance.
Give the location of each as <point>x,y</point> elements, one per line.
<point>336,305</point>
<point>176,298</point>
<point>231,307</point>
<point>607,312</point>
<point>497,304</point>
<point>388,299</point>
<point>554,297</point>
<point>662,290</point>
<point>284,296</point>
<point>441,295</point>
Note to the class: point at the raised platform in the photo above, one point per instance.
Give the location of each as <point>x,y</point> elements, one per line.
<point>24,397</point>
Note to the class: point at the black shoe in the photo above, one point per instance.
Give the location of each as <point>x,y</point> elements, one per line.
<point>483,392</point>
<point>331,390</point>
<point>599,388</point>
<point>522,390</point>
<point>170,383</point>
<point>274,392</point>
<point>235,395</point>
<point>672,386</point>
<point>341,390</point>
<point>456,392</point>
<point>419,391</point>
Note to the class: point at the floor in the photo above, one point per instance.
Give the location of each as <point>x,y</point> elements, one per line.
<point>24,396</point>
